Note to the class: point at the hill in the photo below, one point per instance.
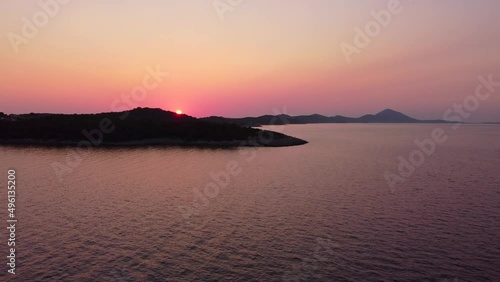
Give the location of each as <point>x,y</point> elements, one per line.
<point>385,116</point>
<point>138,127</point>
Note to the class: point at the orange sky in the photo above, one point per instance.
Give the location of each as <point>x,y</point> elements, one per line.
<point>263,54</point>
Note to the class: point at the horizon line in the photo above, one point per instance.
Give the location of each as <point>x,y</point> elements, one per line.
<point>242,117</point>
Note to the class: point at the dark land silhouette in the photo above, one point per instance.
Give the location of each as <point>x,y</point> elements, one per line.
<point>385,116</point>
<point>138,127</point>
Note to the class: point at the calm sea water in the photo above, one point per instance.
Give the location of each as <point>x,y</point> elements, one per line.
<point>318,212</point>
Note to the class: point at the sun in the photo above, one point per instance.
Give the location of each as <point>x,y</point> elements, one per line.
<point>179,112</point>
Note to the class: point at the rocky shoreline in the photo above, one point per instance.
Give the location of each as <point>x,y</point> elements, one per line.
<point>159,142</point>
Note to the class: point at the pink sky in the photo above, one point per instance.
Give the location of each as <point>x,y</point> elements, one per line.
<point>265,54</point>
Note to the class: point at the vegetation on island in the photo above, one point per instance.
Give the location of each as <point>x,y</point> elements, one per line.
<point>136,125</point>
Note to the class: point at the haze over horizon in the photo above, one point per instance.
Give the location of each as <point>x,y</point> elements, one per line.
<point>263,55</point>
<point>179,112</point>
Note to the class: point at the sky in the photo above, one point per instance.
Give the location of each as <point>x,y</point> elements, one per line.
<point>248,58</point>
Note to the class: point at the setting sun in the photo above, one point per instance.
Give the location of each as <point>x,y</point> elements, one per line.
<point>179,112</point>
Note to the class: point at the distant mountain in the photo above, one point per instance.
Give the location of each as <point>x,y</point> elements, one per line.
<point>138,127</point>
<point>385,116</point>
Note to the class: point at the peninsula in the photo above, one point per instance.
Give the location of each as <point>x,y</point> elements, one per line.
<point>138,127</point>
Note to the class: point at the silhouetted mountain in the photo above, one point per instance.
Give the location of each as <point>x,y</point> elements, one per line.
<point>141,126</point>
<point>385,116</point>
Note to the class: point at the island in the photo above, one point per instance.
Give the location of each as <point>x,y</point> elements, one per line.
<point>385,116</point>
<point>137,127</point>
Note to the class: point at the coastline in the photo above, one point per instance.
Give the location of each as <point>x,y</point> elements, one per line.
<point>157,142</point>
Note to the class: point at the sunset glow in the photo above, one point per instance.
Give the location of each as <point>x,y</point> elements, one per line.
<point>262,55</point>
<point>250,140</point>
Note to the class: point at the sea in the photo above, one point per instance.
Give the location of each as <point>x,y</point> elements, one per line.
<point>359,202</point>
